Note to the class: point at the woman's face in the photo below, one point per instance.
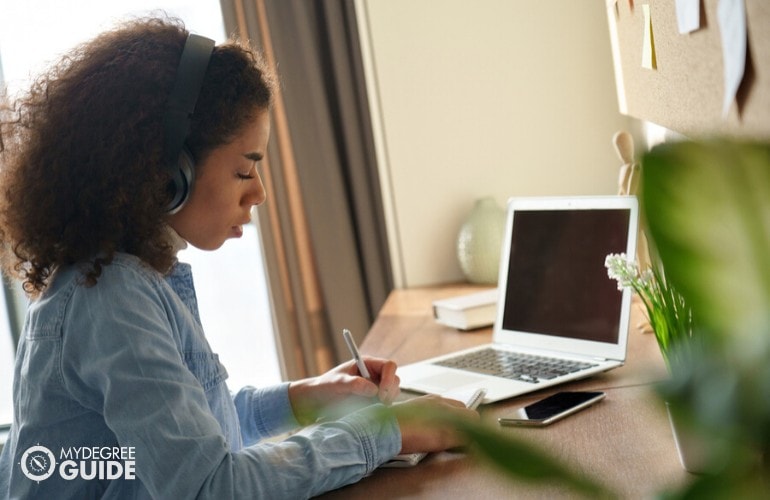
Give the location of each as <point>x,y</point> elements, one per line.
<point>227,185</point>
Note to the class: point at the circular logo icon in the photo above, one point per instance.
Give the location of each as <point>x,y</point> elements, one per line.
<point>38,463</point>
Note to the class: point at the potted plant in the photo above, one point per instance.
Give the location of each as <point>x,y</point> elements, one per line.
<point>671,321</point>
<point>669,315</point>
<point>707,206</point>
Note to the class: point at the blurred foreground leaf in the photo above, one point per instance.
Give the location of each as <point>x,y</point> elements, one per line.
<point>708,209</point>
<point>707,205</point>
<point>521,460</point>
<point>513,457</point>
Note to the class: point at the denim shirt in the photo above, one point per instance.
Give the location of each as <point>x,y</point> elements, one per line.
<point>124,366</point>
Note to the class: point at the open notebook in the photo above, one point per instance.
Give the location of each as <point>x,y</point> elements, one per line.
<point>559,316</point>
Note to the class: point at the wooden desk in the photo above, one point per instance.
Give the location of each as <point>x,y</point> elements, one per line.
<point>624,442</point>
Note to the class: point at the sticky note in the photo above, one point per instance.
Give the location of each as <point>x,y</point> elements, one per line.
<point>687,15</point>
<point>648,44</point>
<point>732,29</point>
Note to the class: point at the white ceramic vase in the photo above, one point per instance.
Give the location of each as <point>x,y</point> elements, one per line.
<point>479,242</point>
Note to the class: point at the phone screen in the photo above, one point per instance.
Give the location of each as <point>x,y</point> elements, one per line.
<point>552,408</point>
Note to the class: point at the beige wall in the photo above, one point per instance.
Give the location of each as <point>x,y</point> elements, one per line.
<point>484,97</point>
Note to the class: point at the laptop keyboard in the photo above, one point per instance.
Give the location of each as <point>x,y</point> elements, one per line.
<point>516,366</point>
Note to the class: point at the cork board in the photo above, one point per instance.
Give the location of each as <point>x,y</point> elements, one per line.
<point>685,90</point>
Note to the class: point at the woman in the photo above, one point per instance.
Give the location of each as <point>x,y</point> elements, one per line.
<point>116,391</point>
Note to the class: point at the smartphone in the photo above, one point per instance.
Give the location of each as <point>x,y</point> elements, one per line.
<point>552,408</point>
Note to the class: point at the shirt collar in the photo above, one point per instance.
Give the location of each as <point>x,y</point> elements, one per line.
<point>177,242</point>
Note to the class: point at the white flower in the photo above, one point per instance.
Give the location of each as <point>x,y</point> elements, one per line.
<point>624,271</point>
<point>647,278</point>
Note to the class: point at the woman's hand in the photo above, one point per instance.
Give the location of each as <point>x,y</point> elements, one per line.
<point>342,389</point>
<point>426,425</point>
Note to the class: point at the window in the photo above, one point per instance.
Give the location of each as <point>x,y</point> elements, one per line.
<point>235,311</point>
<point>6,363</point>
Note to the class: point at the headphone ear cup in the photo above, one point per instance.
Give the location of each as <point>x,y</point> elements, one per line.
<point>182,180</point>
<point>178,160</point>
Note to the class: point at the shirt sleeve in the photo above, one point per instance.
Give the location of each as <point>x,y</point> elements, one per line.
<point>315,460</point>
<point>120,359</point>
<point>264,412</point>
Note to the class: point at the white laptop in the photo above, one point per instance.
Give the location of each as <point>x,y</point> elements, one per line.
<point>559,316</point>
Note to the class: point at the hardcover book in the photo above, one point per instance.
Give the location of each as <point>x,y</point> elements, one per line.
<point>467,312</point>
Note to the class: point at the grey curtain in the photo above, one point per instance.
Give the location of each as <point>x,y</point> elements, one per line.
<point>322,136</point>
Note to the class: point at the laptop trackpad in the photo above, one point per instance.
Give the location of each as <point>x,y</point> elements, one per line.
<point>446,381</point>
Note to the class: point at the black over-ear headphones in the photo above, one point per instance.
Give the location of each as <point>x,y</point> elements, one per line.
<point>178,160</point>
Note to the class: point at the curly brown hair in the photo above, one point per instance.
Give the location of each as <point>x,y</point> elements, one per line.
<point>81,151</point>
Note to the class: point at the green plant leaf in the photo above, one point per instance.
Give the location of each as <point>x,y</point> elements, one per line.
<point>519,459</point>
<point>707,204</point>
<point>708,208</point>
<point>513,457</point>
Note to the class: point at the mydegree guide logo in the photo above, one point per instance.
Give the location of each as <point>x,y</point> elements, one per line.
<point>38,463</point>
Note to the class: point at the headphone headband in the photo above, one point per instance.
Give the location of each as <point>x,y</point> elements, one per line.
<point>179,109</point>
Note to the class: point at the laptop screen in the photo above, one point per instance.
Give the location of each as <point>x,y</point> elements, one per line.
<point>556,280</point>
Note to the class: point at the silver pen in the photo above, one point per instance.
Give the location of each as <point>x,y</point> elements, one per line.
<point>356,355</point>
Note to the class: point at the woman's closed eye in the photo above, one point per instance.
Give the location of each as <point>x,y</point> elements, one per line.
<point>248,174</point>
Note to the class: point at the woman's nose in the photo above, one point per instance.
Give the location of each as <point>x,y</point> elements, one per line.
<point>256,194</point>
